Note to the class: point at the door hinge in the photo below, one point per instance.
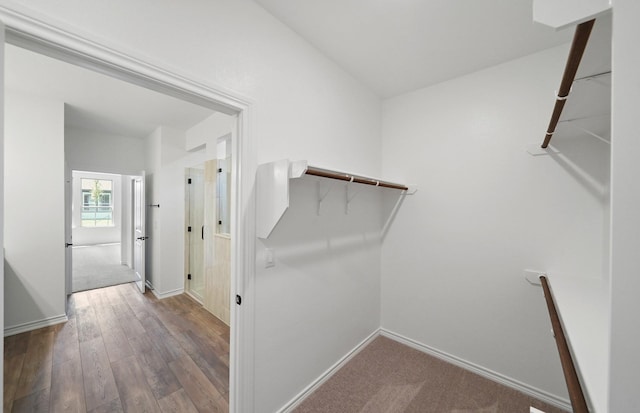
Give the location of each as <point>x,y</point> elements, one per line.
<point>189,181</point>
<point>188,229</point>
<point>219,170</point>
<point>238,299</point>
<point>188,276</point>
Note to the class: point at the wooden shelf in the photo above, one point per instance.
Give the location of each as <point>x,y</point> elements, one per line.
<point>583,307</point>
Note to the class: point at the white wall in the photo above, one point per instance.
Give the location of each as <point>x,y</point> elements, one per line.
<point>34,210</point>
<point>207,133</point>
<point>453,260</point>
<point>96,235</point>
<point>153,145</point>
<point>87,150</point>
<point>304,107</point>
<point>167,160</point>
<point>624,374</point>
<point>323,294</point>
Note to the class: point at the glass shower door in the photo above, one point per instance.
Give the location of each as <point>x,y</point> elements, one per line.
<point>195,193</point>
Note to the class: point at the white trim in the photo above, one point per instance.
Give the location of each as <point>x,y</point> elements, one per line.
<point>482,371</point>
<point>300,397</point>
<point>48,38</point>
<point>45,38</point>
<point>168,294</point>
<point>34,325</point>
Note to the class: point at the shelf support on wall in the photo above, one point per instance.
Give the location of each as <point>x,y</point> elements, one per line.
<point>322,195</point>
<point>350,194</point>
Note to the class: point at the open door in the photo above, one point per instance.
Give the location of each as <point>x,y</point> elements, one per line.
<point>139,234</point>
<point>68,216</point>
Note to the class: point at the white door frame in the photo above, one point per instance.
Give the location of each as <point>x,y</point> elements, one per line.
<point>42,37</point>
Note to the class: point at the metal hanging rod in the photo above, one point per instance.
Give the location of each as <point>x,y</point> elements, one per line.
<point>325,173</point>
<point>580,39</point>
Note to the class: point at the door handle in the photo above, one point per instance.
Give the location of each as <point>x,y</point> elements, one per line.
<point>142,238</point>
<point>202,232</point>
<point>67,244</point>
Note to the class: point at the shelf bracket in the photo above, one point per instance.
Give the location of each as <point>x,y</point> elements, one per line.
<point>322,194</point>
<point>350,195</point>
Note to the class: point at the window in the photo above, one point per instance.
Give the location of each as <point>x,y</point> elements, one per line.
<point>97,203</point>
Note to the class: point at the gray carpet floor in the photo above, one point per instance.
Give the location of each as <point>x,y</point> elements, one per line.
<point>387,376</point>
<point>98,266</point>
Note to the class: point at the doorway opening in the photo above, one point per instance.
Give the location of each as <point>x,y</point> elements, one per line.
<point>208,231</point>
<point>102,228</point>
<point>132,71</point>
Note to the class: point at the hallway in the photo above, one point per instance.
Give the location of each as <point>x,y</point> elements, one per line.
<point>121,351</point>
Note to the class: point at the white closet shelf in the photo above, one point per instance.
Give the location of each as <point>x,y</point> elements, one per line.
<point>272,192</point>
<point>583,308</point>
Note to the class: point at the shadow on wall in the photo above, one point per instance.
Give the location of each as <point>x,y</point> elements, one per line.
<point>350,218</point>
<point>392,200</point>
<point>21,305</point>
<point>582,157</point>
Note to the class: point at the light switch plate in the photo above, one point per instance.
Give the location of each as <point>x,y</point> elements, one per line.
<point>269,258</point>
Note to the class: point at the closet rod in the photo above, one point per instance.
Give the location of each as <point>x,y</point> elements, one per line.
<point>352,178</point>
<point>578,402</point>
<point>580,39</point>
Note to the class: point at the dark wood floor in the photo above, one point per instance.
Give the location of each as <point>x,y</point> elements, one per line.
<point>121,351</point>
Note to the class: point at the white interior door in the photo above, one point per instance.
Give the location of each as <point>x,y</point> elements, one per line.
<point>68,241</point>
<point>139,234</point>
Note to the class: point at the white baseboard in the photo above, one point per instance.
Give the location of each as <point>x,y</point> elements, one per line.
<point>34,325</point>
<point>482,371</point>
<point>167,294</point>
<point>300,397</point>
